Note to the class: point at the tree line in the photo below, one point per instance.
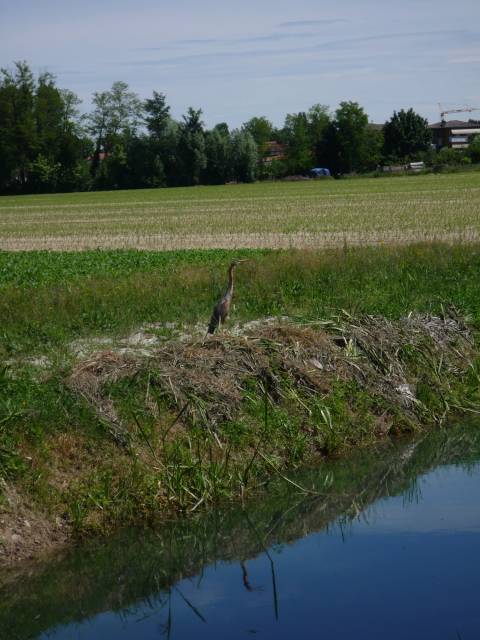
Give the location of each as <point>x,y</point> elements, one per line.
<point>47,145</point>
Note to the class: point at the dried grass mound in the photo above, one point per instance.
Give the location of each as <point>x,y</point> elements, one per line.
<point>385,347</point>
<point>89,379</point>
<point>207,378</point>
<point>206,381</point>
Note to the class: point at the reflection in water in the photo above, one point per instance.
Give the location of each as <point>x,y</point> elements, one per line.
<point>272,565</point>
<point>388,547</point>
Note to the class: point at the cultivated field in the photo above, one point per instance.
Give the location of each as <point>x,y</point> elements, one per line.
<point>273,215</point>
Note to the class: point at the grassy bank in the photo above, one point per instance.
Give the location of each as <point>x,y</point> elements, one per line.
<point>90,441</point>
<point>48,299</point>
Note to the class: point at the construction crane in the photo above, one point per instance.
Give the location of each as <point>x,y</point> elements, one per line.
<point>461,110</point>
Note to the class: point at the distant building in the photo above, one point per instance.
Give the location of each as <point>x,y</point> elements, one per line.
<point>273,150</point>
<point>103,155</point>
<point>455,134</point>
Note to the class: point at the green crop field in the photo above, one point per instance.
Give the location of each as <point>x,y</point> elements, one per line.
<point>264,215</point>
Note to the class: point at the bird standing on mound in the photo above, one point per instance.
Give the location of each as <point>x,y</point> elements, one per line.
<point>222,308</point>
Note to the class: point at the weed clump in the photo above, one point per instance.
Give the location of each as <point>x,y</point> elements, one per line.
<point>210,382</point>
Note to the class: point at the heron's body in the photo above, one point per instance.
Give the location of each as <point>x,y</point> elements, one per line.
<point>222,308</point>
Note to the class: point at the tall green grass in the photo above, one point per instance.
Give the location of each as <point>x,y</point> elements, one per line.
<point>47,299</point>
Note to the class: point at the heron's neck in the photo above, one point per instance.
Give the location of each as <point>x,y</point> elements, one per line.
<point>230,281</point>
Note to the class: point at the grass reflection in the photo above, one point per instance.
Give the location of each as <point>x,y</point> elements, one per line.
<point>138,570</point>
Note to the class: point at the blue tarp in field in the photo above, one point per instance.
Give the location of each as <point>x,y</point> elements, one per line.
<point>319,171</point>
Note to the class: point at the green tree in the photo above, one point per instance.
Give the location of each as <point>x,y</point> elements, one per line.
<point>117,114</point>
<point>98,121</point>
<point>59,142</point>
<point>80,179</point>
<point>296,132</point>
<point>451,157</point>
<point>474,149</point>
<point>144,164</point>
<point>169,153</point>
<point>112,124</point>
<point>244,156</point>
<point>43,174</point>
<point>373,149</point>
<point>191,147</point>
<point>261,130</point>
<point>49,116</point>
<point>347,137</point>
<point>318,119</point>
<point>272,170</point>
<point>125,110</point>
<point>157,116</point>
<point>164,135</point>
<point>117,168</point>
<point>223,129</point>
<point>18,136</point>
<point>218,153</point>
<point>71,118</point>
<point>405,135</point>
<point>74,145</point>
<point>40,139</point>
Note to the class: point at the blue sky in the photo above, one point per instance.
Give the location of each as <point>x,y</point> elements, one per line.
<point>264,57</point>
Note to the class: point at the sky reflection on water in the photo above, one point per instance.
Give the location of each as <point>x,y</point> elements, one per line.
<point>406,567</point>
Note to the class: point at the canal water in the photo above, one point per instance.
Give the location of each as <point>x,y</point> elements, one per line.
<point>384,544</point>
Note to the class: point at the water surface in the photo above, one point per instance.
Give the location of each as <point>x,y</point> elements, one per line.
<point>389,548</point>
